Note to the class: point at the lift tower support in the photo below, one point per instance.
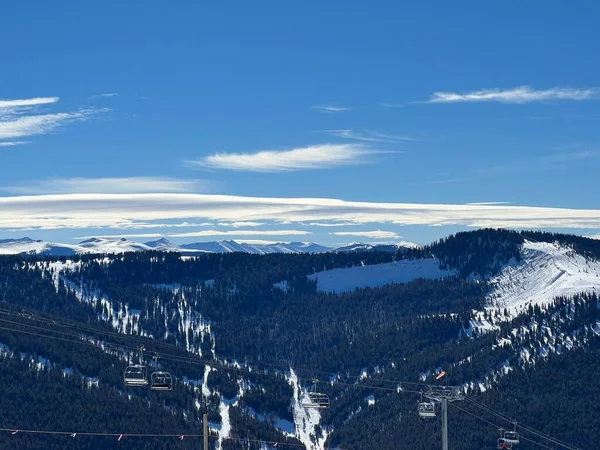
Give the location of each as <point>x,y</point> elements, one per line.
<point>444,394</point>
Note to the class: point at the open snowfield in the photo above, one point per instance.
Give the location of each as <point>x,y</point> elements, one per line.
<point>545,272</point>
<point>348,279</point>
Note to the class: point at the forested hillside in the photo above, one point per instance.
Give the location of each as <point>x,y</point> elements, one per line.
<point>245,336</point>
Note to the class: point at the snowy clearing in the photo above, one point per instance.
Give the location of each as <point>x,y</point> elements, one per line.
<point>545,272</point>
<point>348,279</point>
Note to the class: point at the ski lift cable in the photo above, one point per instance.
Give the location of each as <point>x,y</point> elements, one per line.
<point>170,356</point>
<point>521,425</point>
<point>143,339</point>
<point>195,361</point>
<point>78,339</point>
<point>340,383</point>
<point>495,425</point>
<point>209,362</point>
<point>524,427</point>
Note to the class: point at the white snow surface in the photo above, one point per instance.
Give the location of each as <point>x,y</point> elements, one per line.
<point>403,271</point>
<point>26,245</point>
<point>546,271</point>
<point>362,246</point>
<point>305,419</point>
<point>120,245</point>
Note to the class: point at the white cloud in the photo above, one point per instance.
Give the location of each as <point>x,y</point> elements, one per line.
<point>108,185</point>
<point>13,143</point>
<point>145,225</point>
<point>206,233</point>
<point>571,156</point>
<point>27,102</point>
<point>20,118</point>
<point>332,224</point>
<point>111,210</point>
<point>368,136</point>
<point>330,108</point>
<point>42,123</point>
<point>521,94</point>
<point>313,157</point>
<point>490,203</point>
<point>240,224</point>
<point>376,234</point>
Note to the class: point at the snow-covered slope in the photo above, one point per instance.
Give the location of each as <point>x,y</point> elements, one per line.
<point>546,271</point>
<point>163,245</point>
<point>230,246</point>
<point>348,279</point>
<point>26,245</point>
<point>120,245</point>
<point>106,245</point>
<point>362,247</point>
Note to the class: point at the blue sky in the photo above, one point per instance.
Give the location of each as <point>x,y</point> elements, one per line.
<point>297,120</point>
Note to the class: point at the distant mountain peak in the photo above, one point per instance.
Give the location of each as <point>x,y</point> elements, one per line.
<point>15,240</point>
<point>162,243</point>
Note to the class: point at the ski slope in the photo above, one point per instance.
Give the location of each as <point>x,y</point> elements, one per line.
<point>350,278</point>
<point>546,271</point>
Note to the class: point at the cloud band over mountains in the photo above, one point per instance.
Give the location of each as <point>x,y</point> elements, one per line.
<point>123,210</point>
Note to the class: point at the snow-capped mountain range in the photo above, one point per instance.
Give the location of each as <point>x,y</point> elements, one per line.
<point>121,245</point>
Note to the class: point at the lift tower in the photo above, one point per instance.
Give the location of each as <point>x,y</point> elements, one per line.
<point>444,394</point>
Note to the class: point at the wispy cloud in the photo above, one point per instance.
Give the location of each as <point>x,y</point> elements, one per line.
<point>146,225</point>
<point>393,105</point>
<point>110,210</point>
<point>107,95</point>
<point>571,156</point>
<point>521,94</point>
<point>208,233</point>
<point>23,117</point>
<point>313,157</point>
<point>332,224</point>
<point>13,143</point>
<point>376,234</point>
<point>368,136</point>
<point>108,185</point>
<point>240,224</point>
<point>17,103</point>
<point>329,109</point>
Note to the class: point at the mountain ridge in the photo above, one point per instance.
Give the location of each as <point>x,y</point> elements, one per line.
<point>117,244</point>
<point>399,317</point>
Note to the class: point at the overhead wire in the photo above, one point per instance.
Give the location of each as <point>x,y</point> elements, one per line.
<point>364,386</point>
<point>519,424</point>
<point>82,339</point>
<point>180,436</point>
<point>176,358</point>
<point>496,426</point>
<point>196,359</point>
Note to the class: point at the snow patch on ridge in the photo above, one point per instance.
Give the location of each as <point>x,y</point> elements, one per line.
<point>546,271</point>
<point>375,275</point>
